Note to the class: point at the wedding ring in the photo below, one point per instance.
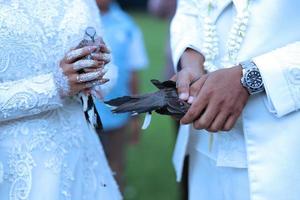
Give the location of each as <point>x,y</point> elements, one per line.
<point>81,78</point>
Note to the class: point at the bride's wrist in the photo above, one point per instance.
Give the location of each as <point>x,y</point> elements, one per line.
<point>61,82</point>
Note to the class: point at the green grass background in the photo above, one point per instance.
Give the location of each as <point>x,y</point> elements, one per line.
<point>150,174</point>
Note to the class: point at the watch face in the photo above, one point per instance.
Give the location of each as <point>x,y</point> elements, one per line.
<point>254,79</point>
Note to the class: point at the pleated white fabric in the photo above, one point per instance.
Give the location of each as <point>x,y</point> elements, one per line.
<point>207,181</point>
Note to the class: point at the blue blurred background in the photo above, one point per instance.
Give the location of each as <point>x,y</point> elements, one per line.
<point>149,173</point>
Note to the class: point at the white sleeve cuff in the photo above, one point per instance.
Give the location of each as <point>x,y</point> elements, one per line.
<point>280,70</point>
<point>28,97</point>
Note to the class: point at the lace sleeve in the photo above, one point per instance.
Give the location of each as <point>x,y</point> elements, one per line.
<point>28,97</point>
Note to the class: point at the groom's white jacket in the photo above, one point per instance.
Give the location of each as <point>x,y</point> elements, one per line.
<point>271,121</point>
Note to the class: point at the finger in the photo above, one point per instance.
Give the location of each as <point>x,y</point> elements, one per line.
<point>97,93</point>
<point>91,84</point>
<point>104,57</point>
<point>82,64</point>
<point>196,109</point>
<point>207,117</point>
<point>99,41</point>
<point>195,89</point>
<point>87,91</point>
<point>173,78</point>
<point>230,122</point>
<point>104,48</point>
<point>95,83</point>
<point>101,68</point>
<point>86,77</point>
<point>77,54</point>
<point>219,122</point>
<point>183,85</point>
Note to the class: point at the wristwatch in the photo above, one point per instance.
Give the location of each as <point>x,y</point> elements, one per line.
<point>251,78</point>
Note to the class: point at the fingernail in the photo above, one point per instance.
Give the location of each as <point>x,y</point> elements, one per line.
<point>108,49</point>
<point>104,80</point>
<point>184,96</point>
<point>191,99</point>
<point>181,122</point>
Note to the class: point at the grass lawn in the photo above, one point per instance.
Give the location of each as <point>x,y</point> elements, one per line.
<point>150,175</point>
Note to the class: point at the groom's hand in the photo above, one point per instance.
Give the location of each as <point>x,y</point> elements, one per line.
<point>220,99</point>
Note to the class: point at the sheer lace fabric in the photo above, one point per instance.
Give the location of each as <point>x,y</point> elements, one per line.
<point>47,150</point>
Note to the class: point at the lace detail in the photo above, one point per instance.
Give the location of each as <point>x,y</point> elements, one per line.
<point>68,178</point>
<point>41,135</point>
<point>20,164</point>
<point>292,75</point>
<point>62,82</point>
<point>27,97</point>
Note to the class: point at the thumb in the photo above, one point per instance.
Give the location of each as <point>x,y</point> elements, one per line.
<point>183,85</point>
<point>196,87</point>
<point>173,78</point>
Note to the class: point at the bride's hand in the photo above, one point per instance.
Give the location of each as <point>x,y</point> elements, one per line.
<point>73,62</point>
<point>102,55</point>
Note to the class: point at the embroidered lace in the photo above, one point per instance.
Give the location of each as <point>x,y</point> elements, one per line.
<point>47,150</point>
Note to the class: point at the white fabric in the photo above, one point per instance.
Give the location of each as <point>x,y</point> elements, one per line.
<point>273,152</point>
<point>181,150</point>
<point>284,64</point>
<point>47,150</point>
<point>209,182</point>
<point>270,123</point>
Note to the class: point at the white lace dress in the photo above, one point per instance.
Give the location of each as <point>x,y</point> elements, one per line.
<point>47,151</point>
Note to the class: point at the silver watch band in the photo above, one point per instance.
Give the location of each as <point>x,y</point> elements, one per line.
<point>251,78</point>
